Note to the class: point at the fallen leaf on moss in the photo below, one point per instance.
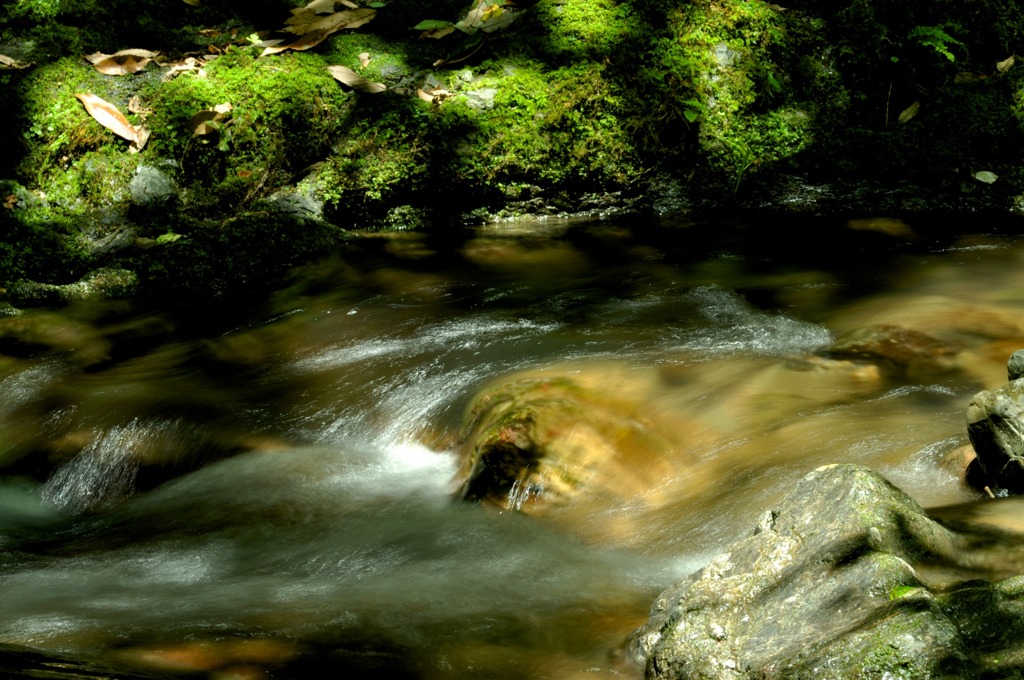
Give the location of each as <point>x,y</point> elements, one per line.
<point>986,176</point>
<point>347,76</point>
<point>909,112</point>
<point>7,62</point>
<point>434,96</point>
<point>10,202</point>
<point>364,59</point>
<point>135,106</point>
<point>347,18</point>
<point>141,137</point>
<point>108,115</point>
<point>208,121</point>
<point>317,21</point>
<point>186,65</point>
<point>308,41</point>
<point>121,63</point>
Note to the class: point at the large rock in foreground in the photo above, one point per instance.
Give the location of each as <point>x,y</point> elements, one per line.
<point>827,588</point>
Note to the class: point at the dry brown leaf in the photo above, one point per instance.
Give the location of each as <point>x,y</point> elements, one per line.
<point>315,7</point>
<point>186,65</point>
<point>348,18</point>
<point>1005,65</point>
<point>909,112</point>
<point>141,137</point>
<point>7,62</point>
<point>435,96</point>
<point>108,115</point>
<point>121,63</point>
<point>349,77</point>
<point>308,41</point>
<point>364,59</point>
<point>208,121</point>
<point>135,106</point>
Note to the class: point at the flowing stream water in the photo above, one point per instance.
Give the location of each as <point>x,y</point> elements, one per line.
<point>272,495</point>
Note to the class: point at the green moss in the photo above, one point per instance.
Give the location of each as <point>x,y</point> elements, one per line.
<point>559,127</point>
<point>40,244</point>
<point>56,129</point>
<point>286,112</point>
<point>583,28</point>
<point>731,69</point>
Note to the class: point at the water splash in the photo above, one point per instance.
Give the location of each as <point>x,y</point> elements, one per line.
<point>417,378</point>
<point>733,326</point>
<point>21,387</point>
<point>103,474</point>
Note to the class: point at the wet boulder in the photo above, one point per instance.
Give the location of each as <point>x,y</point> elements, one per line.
<point>995,425</point>
<point>538,441</point>
<point>831,585</point>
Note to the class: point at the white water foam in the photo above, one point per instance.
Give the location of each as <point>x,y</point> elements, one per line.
<point>736,326</point>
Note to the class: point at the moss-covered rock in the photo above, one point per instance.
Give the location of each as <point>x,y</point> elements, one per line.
<point>830,586</point>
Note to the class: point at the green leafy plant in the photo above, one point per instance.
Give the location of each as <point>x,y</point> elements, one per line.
<point>936,38</point>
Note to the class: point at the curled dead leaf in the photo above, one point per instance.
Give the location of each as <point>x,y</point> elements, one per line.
<point>347,18</point>
<point>121,63</point>
<point>305,42</point>
<point>208,121</point>
<point>434,96</point>
<point>10,63</point>
<point>348,77</point>
<point>141,137</point>
<point>136,106</point>
<point>187,65</point>
<point>108,115</point>
<point>909,112</point>
<point>317,21</point>
<point>364,59</point>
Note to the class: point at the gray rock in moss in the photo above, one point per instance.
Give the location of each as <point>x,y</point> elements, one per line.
<point>151,187</point>
<point>482,98</point>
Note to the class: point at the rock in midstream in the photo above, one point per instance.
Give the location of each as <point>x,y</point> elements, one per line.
<point>995,425</point>
<point>839,582</point>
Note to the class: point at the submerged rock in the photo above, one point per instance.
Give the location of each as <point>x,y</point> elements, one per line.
<point>904,351</point>
<point>829,586</point>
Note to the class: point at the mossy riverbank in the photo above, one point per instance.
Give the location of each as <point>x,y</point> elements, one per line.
<point>574,106</point>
